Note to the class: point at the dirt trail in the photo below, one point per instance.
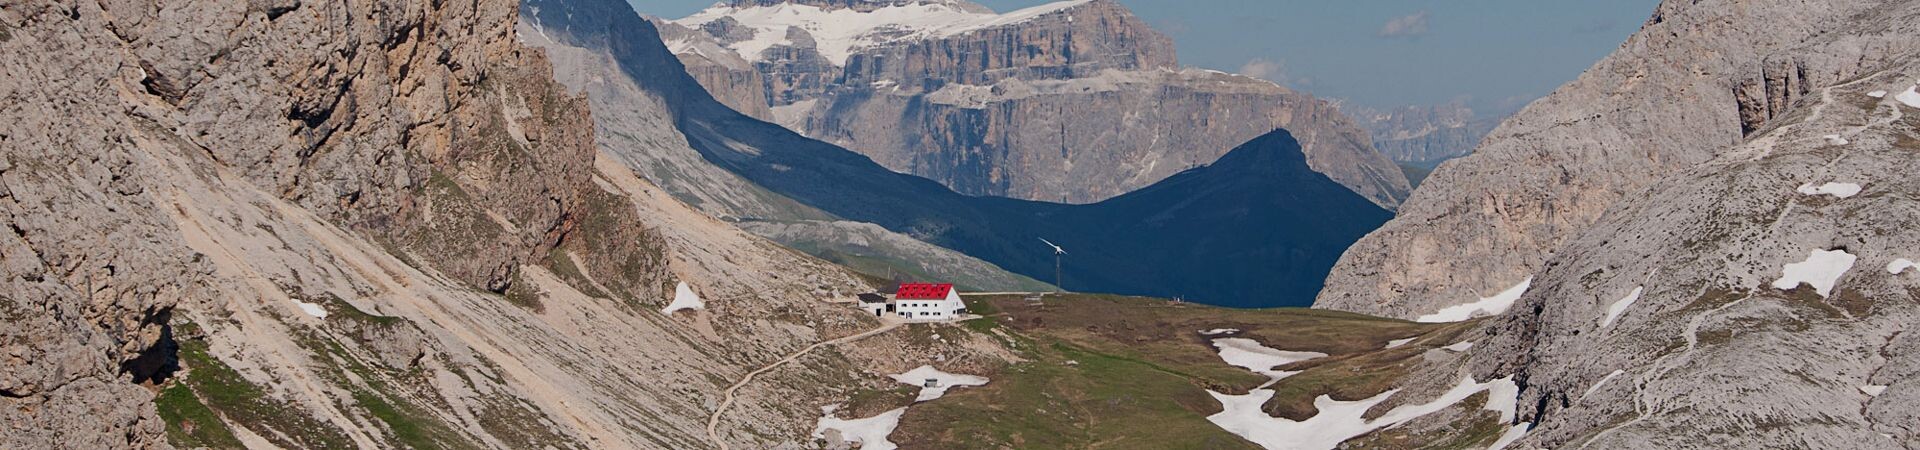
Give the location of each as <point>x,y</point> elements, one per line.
<point>713,422</point>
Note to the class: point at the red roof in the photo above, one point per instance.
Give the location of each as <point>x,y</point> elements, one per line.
<point>923,291</point>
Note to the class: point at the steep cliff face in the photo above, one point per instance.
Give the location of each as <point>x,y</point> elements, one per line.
<point>1676,94</point>
<point>1086,139</point>
<point>356,224</point>
<point>731,79</point>
<point>1779,267</point>
<point>975,100</point>
<point>1780,263</point>
<point>1424,136</point>
<point>1062,40</point>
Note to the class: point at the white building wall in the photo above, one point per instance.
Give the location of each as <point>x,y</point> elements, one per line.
<point>944,309</point>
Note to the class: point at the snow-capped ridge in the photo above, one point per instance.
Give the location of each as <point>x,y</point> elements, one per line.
<point>838,33</point>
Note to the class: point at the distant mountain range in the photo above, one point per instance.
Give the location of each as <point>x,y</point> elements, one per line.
<point>1256,228</point>
<point>1423,136</point>
<point>1073,101</point>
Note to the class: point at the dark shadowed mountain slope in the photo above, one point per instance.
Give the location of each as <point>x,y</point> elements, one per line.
<point>979,101</point>
<point>1165,239</point>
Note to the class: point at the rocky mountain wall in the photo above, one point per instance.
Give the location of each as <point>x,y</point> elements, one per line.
<point>1676,94</point>
<point>362,224</point>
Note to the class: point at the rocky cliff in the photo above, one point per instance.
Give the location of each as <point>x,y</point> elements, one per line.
<point>361,224</point>
<point>1424,136</point>
<point>1744,294</point>
<point>977,101</point>
<point>1696,80</point>
<point>1781,267</point>
<point>1086,139</point>
<point>731,79</point>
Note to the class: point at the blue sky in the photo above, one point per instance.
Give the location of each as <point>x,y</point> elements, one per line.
<point>1495,54</point>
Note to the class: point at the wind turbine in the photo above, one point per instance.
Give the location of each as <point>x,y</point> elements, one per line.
<point>1057,253</point>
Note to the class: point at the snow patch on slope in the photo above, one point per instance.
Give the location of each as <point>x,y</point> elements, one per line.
<point>1487,306</point>
<point>1910,98</point>
<point>1400,342</point>
<point>871,433</point>
<point>684,298</point>
<point>1901,265</point>
<point>1620,306</point>
<point>1338,421</point>
<point>312,309</point>
<point>1603,382</point>
<point>941,381</point>
<point>1261,359</point>
<point>1841,190</point>
<point>1821,270</point>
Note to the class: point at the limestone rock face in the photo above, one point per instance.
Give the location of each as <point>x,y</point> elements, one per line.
<point>1073,41</point>
<point>359,224</point>
<point>1679,289</point>
<point>1777,264</point>
<point>1075,101</point>
<point>1424,136</point>
<point>732,79</point>
<point>1697,79</point>
<point>1086,139</point>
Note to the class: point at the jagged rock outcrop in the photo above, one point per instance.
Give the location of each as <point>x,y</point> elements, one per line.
<point>1705,290</point>
<point>1762,297</point>
<point>1669,99</point>
<point>980,102</point>
<point>360,224</point>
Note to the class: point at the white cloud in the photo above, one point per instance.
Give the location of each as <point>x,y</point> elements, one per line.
<point>1407,26</point>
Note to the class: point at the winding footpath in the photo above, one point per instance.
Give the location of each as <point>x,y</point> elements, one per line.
<point>713,422</point>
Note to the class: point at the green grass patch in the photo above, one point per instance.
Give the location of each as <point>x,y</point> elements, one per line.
<point>374,392</point>
<point>191,424</point>
<point>1117,372</point>
<point>222,391</point>
<point>522,294</point>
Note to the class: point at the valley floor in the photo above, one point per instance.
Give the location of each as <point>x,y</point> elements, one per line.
<point>1112,372</point>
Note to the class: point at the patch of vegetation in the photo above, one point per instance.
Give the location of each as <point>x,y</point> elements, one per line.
<point>411,425</point>
<point>515,423</point>
<point>6,32</point>
<point>1906,141</point>
<point>224,393</point>
<point>561,264</point>
<point>628,260</point>
<point>191,424</point>
<point>510,419</point>
<point>1100,366</point>
<point>1477,433</point>
<point>338,308</point>
<point>521,293</point>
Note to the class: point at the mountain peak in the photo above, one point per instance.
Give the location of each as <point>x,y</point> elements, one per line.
<point>861,5</point>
